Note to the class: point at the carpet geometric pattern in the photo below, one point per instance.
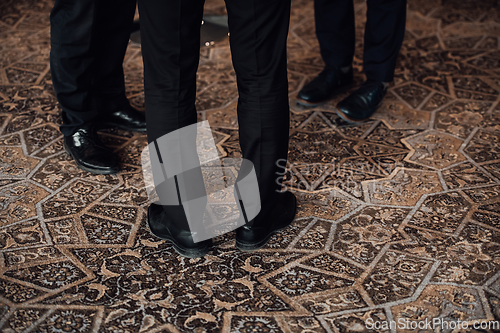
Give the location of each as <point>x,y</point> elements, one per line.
<point>399,217</point>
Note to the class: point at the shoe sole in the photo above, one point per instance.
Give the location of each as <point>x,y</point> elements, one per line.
<point>349,120</point>
<point>90,170</point>
<point>354,121</point>
<point>189,253</point>
<point>260,244</point>
<point>307,104</point>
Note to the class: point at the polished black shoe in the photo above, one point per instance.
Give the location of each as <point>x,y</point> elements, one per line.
<point>173,226</point>
<point>330,82</point>
<point>89,153</point>
<point>256,235</point>
<point>361,104</point>
<point>128,119</point>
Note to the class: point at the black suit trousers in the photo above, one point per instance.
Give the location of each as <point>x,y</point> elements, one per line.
<point>384,34</point>
<point>88,43</point>
<point>170,37</point>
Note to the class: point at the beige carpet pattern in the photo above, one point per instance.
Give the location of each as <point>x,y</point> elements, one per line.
<point>399,217</point>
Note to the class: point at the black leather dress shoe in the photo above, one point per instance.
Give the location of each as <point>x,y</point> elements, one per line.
<point>361,104</point>
<point>89,153</point>
<point>256,235</point>
<point>330,82</point>
<point>128,119</point>
<point>172,225</point>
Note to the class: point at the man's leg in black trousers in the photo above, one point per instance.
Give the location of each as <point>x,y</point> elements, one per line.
<point>384,34</point>
<point>336,36</point>
<point>87,39</point>
<point>335,30</point>
<point>72,61</point>
<point>258,32</point>
<point>170,39</point>
<point>114,24</point>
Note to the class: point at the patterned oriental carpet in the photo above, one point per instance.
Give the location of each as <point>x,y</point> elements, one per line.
<point>399,218</point>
